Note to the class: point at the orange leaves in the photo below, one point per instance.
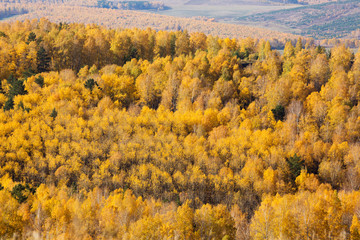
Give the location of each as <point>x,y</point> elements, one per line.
<point>301,215</point>
<point>355,228</point>
<point>187,137</point>
<point>214,222</point>
<point>11,220</point>
<point>121,89</point>
<point>306,181</point>
<point>210,119</point>
<point>184,227</point>
<point>148,180</point>
<point>340,58</point>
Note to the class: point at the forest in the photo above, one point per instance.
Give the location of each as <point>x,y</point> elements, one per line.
<point>132,5</point>
<point>262,19</point>
<point>332,19</point>
<point>116,18</point>
<point>144,134</point>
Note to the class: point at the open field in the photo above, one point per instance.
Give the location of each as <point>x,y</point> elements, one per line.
<point>328,20</point>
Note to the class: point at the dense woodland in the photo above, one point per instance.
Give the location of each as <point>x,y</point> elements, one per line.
<point>138,134</point>
<point>132,5</point>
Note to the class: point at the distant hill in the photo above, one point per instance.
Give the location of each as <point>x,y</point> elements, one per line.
<point>237,2</point>
<point>328,20</point>
<point>315,1</point>
<point>309,2</point>
<point>339,19</point>
<point>114,18</point>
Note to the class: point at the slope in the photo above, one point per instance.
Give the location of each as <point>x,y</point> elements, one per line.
<point>114,18</point>
<point>327,20</point>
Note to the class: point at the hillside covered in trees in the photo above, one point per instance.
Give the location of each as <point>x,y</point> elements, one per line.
<point>318,19</point>
<point>333,19</point>
<point>241,2</point>
<point>138,134</point>
<point>115,18</point>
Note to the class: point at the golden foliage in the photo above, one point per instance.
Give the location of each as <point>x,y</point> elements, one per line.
<point>126,137</point>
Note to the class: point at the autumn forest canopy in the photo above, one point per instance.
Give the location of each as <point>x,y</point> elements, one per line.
<point>144,134</point>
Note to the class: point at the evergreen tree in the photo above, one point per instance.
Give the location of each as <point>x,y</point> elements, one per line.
<point>40,80</point>
<point>133,53</point>
<point>90,84</point>
<point>31,38</point>
<point>43,60</point>
<point>173,45</point>
<point>9,104</point>
<point>63,25</point>
<point>18,193</point>
<point>28,73</point>
<point>21,192</point>
<point>295,164</point>
<point>279,113</point>
<point>53,113</point>
<point>17,88</point>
